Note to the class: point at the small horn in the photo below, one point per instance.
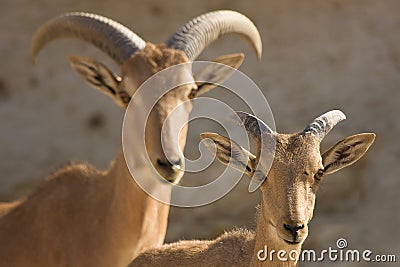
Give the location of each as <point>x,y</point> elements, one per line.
<point>253,125</point>
<point>322,125</point>
<point>266,144</point>
<point>109,36</point>
<point>201,31</point>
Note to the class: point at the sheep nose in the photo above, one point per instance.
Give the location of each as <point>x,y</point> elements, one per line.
<point>171,170</point>
<point>293,229</point>
<point>173,164</point>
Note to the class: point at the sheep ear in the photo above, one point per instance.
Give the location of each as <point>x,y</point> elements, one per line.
<point>101,78</point>
<point>229,153</point>
<point>212,75</point>
<point>346,152</point>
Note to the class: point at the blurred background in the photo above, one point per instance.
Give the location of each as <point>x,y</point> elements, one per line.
<point>318,55</point>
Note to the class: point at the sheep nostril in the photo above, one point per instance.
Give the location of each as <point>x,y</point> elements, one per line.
<point>293,228</point>
<point>162,163</point>
<point>174,164</point>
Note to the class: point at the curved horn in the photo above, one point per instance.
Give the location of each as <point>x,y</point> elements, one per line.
<point>266,144</point>
<point>201,31</point>
<point>322,125</point>
<point>253,125</point>
<point>109,36</point>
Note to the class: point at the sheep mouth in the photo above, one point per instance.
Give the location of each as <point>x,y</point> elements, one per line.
<point>291,242</point>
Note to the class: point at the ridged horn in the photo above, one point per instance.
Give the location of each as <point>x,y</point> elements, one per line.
<point>266,143</point>
<point>253,125</point>
<point>322,125</point>
<point>111,37</point>
<point>201,31</point>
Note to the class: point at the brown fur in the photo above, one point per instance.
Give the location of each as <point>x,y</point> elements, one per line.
<point>288,198</point>
<point>226,251</point>
<point>85,217</point>
<point>82,216</point>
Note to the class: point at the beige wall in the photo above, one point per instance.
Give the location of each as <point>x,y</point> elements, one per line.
<point>318,55</point>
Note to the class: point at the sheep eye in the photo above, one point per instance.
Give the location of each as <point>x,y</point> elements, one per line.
<point>192,93</point>
<point>248,168</point>
<point>319,174</point>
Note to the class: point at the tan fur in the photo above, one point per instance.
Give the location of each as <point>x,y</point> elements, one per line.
<point>288,198</point>
<point>226,251</point>
<point>85,217</point>
<point>81,216</point>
